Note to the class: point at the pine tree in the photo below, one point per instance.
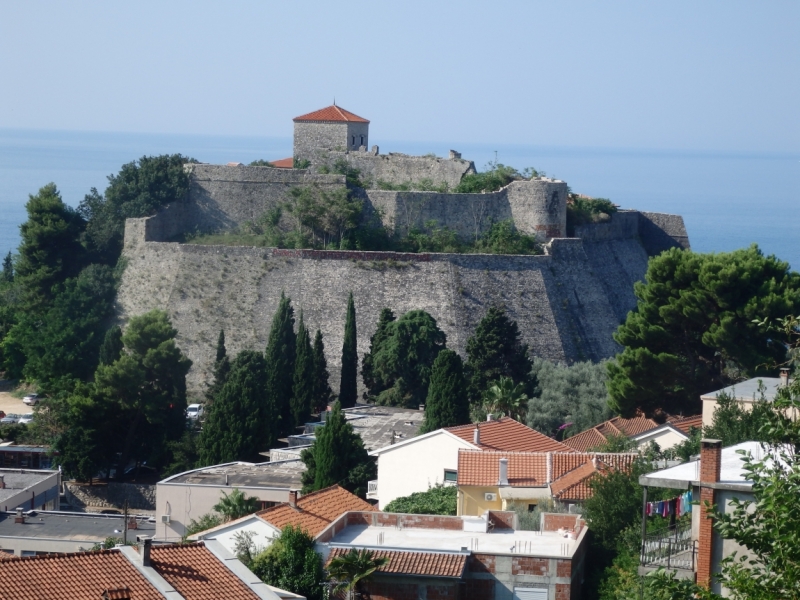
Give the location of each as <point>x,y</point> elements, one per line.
<point>375,384</point>
<point>348,389</point>
<point>447,404</point>
<point>496,349</point>
<point>222,366</point>
<point>322,388</point>
<point>8,268</point>
<point>303,389</point>
<point>112,346</point>
<point>237,426</point>
<point>280,354</point>
<point>337,456</point>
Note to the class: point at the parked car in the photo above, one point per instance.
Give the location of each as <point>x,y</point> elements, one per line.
<point>10,418</point>
<point>31,399</point>
<point>25,419</point>
<point>194,411</point>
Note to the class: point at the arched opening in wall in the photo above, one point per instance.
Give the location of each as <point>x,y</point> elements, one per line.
<point>353,143</point>
<point>362,140</point>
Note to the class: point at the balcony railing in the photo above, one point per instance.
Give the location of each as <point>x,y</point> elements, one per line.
<point>372,489</point>
<point>671,549</point>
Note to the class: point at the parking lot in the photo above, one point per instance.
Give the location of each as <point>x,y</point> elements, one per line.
<point>9,404</point>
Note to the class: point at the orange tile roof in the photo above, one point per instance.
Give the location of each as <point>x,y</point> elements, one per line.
<point>583,441</point>
<point>482,468</point>
<point>283,163</point>
<point>574,485</point>
<point>506,434</point>
<point>599,434</point>
<point>432,564</point>
<point>686,423</point>
<point>79,575</point>
<point>315,511</point>
<point>331,113</point>
<point>197,574</point>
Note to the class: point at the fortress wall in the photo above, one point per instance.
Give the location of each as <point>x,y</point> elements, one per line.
<point>401,168</point>
<point>660,231</point>
<point>561,307</point>
<point>539,206</point>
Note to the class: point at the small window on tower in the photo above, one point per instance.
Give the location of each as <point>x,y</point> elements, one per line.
<point>362,140</point>
<point>354,141</point>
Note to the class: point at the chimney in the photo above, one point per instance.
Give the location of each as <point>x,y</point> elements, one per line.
<point>503,472</point>
<point>710,458</point>
<point>2,482</point>
<point>784,377</point>
<point>145,544</point>
<point>476,436</point>
<point>293,498</point>
<point>594,461</point>
<point>490,417</point>
<point>20,516</point>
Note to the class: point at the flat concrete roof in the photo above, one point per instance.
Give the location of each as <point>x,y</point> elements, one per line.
<point>18,480</point>
<point>88,527</point>
<point>527,543</point>
<point>748,390</point>
<point>731,476</point>
<point>380,426</point>
<point>280,474</point>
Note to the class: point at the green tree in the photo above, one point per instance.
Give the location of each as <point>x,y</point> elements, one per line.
<point>303,390</point>
<point>50,250</point>
<point>148,384</point>
<point>496,177</point>
<point>111,348</point>
<point>322,388</point>
<point>438,500</point>
<point>8,268</point>
<point>382,333</point>
<point>447,403</point>
<point>695,328</point>
<point>573,394</point>
<point>280,355</point>
<point>348,387</point>
<point>291,563</point>
<point>353,569</point>
<point>138,190</point>
<point>505,398</point>
<point>496,350</point>
<point>236,505</point>
<point>205,522</point>
<point>402,363</point>
<point>504,238</point>
<point>337,456</point>
<point>732,423</point>
<point>239,425</point>
<point>222,367</point>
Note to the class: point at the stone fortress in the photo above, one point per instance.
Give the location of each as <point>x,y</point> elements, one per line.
<point>567,302</point>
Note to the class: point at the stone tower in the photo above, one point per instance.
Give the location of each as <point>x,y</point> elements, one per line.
<point>330,128</point>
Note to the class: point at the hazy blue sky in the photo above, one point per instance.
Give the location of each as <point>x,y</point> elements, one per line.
<point>721,75</point>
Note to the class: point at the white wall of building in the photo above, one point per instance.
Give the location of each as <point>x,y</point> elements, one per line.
<point>664,437</point>
<point>263,533</point>
<point>416,465</point>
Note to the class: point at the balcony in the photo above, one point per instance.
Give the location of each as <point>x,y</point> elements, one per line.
<point>372,490</point>
<point>672,550</point>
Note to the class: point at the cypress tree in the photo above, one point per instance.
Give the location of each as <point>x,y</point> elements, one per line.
<point>496,350</point>
<point>348,389</point>
<point>221,350</point>
<point>373,382</point>
<point>222,366</point>
<point>303,389</point>
<point>337,456</point>
<point>8,268</point>
<point>447,404</point>
<point>111,349</point>
<point>237,426</point>
<point>322,388</point>
<point>280,355</point>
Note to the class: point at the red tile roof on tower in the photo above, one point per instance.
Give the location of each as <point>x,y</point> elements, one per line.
<point>315,511</point>
<point>506,434</point>
<point>599,434</point>
<point>432,564</point>
<point>331,113</point>
<point>283,163</point>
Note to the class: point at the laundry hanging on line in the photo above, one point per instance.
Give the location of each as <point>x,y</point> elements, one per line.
<point>677,506</point>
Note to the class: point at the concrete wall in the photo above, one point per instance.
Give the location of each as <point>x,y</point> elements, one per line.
<point>416,466</point>
<point>42,495</point>
<point>665,439</point>
<point>472,500</point>
<point>399,168</point>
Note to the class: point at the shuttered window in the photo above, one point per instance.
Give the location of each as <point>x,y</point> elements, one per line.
<point>530,593</point>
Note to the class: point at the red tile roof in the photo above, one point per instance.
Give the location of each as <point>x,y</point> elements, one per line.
<point>506,434</point>
<point>80,575</point>
<point>197,574</point>
<point>686,423</point>
<point>432,564</point>
<point>482,468</point>
<point>315,511</point>
<point>599,434</point>
<point>574,485</point>
<point>331,113</point>
<point>283,163</point>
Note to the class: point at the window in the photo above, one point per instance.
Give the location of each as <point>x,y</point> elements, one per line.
<point>450,476</point>
<point>530,593</point>
<point>531,507</point>
<point>362,140</point>
<point>354,141</point>
<point>267,504</point>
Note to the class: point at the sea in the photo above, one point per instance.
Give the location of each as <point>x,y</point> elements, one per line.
<point>728,200</point>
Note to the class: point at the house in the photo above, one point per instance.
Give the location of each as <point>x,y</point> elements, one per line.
<point>746,392</point>
<point>29,489</point>
<point>188,496</point>
<point>489,481</point>
<point>312,513</point>
<point>34,533</point>
<point>421,462</point>
<point>181,571</point>
<point>640,429</point>
<point>694,551</point>
<point>25,456</point>
<point>464,557</point>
